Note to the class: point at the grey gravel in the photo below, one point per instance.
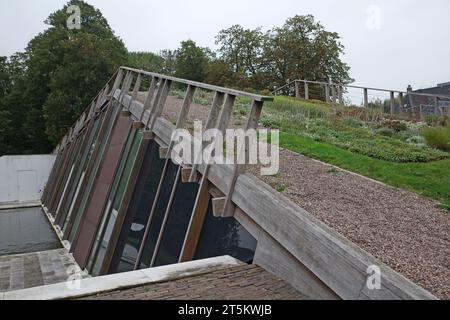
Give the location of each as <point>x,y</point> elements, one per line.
<point>402,229</point>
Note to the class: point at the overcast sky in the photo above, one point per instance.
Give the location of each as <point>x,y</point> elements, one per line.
<point>389,43</point>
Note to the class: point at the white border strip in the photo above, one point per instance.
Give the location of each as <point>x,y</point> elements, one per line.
<point>92,286</point>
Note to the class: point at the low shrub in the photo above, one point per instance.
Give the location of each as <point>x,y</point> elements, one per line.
<point>396,125</point>
<point>437,137</point>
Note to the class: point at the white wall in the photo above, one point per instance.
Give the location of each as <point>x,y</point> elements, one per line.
<point>22,178</point>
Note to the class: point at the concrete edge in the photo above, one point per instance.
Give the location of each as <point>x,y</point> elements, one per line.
<point>92,286</point>
<point>56,228</point>
<point>19,205</point>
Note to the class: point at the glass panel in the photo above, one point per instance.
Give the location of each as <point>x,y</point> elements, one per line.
<point>133,227</point>
<point>67,187</point>
<point>157,219</point>
<point>93,133</point>
<point>224,236</point>
<point>177,224</point>
<point>91,178</point>
<point>116,197</point>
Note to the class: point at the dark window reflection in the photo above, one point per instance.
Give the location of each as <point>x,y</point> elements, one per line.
<point>224,236</point>
<point>136,220</point>
<point>177,224</point>
<point>117,193</point>
<point>109,123</point>
<point>92,133</point>
<point>157,219</point>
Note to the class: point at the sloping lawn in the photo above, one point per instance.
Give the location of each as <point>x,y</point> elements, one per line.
<point>430,179</point>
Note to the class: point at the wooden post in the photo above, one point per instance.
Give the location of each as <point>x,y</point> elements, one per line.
<point>252,123</point>
<point>436,104</point>
<point>366,98</point>
<point>195,224</point>
<point>392,102</point>
<point>211,122</point>
<point>400,98</point>
<point>119,78</point>
<point>306,91</point>
<point>333,93</point>
<point>159,103</point>
<point>148,100</point>
<point>340,95</point>
<point>297,89</point>
<point>327,93</point>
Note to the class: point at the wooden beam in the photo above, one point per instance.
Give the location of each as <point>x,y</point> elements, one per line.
<point>166,217</point>
<point>392,103</point>
<point>164,152</point>
<point>195,224</point>
<point>138,125</point>
<point>158,106</point>
<point>185,174</point>
<point>366,97</point>
<point>218,206</point>
<point>306,91</point>
<point>148,134</point>
<point>205,86</point>
<point>211,122</point>
<point>252,123</point>
<point>148,100</point>
<point>297,89</point>
<point>125,113</point>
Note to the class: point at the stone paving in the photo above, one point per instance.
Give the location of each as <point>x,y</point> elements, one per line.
<point>36,269</point>
<point>243,282</point>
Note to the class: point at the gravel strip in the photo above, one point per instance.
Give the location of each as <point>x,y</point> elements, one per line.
<point>404,230</point>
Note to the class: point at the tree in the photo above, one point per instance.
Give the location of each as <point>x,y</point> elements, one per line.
<point>5,122</point>
<point>241,49</point>
<point>169,66</point>
<point>5,80</point>
<point>303,49</point>
<point>219,73</point>
<point>59,73</point>
<point>191,61</point>
<point>86,60</point>
<point>146,61</point>
<point>300,49</point>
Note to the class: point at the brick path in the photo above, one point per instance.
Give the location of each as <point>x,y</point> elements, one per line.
<point>35,269</point>
<point>243,282</point>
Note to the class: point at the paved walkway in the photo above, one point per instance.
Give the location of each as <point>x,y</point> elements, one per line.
<point>243,282</point>
<point>36,269</point>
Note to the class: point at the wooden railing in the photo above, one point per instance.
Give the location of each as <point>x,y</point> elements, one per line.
<point>291,243</point>
<point>401,102</point>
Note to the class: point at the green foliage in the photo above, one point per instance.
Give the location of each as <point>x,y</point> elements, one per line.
<point>437,137</point>
<point>300,49</point>
<point>279,186</point>
<point>146,61</point>
<point>56,77</point>
<point>191,61</point>
<point>395,125</point>
<point>169,57</point>
<point>5,79</point>
<point>303,49</point>
<point>219,73</point>
<point>332,170</point>
<point>428,179</point>
<point>241,48</point>
<point>386,141</point>
<point>320,132</point>
<point>444,207</point>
